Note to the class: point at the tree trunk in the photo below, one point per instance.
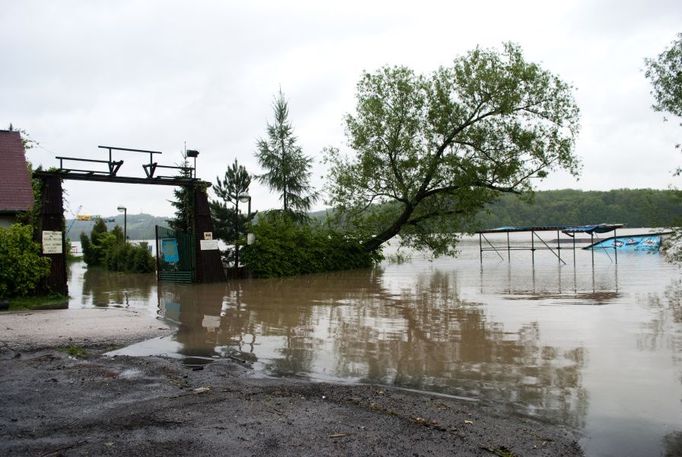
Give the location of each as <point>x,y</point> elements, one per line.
<point>375,242</point>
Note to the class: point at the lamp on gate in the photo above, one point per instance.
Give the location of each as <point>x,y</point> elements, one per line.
<point>193,153</point>
<point>244,198</point>
<point>125,222</point>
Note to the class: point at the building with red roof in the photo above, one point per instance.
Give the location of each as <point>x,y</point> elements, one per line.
<point>16,193</point>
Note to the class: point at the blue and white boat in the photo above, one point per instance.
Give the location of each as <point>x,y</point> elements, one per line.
<point>646,242</point>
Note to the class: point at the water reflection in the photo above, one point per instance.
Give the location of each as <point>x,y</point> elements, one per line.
<point>101,288</point>
<point>666,310</point>
<point>533,282</point>
<point>349,326</point>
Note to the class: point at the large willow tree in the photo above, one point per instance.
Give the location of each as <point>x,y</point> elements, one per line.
<point>665,74</point>
<point>429,151</point>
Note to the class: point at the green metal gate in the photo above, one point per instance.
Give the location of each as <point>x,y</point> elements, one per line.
<point>175,255</point>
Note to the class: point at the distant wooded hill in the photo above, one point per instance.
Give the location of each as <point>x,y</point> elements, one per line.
<point>140,226</point>
<point>632,207</point>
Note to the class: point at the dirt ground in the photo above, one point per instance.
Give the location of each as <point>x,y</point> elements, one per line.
<point>53,404</point>
<point>61,396</point>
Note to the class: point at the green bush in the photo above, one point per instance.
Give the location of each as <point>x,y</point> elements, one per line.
<point>21,266</point>
<point>130,258</point>
<point>110,250</point>
<point>285,248</point>
<point>95,246</point>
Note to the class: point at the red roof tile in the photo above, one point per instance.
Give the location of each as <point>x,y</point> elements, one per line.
<point>16,193</point>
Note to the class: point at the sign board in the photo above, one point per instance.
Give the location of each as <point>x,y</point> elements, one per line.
<point>208,245</point>
<point>169,250</point>
<point>250,238</point>
<point>208,235</point>
<point>52,242</point>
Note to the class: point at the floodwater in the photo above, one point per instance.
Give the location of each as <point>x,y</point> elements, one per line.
<point>596,348</point>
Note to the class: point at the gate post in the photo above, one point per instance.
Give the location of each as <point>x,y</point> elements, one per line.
<point>51,234</point>
<point>209,267</point>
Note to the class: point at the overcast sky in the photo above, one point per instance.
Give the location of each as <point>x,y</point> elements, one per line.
<point>157,74</point>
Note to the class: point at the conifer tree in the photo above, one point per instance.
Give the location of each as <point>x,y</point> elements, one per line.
<point>287,169</point>
<point>183,201</point>
<point>235,182</point>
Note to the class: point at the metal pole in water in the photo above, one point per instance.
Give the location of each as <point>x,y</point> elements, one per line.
<point>508,249</point>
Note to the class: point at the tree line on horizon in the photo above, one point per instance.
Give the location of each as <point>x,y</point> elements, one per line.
<point>632,207</point>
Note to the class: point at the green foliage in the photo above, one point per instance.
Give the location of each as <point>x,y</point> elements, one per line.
<point>95,246</point>
<point>632,207</point>
<point>431,151</point>
<point>110,250</point>
<point>21,266</point>
<point>228,224</point>
<point>665,74</point>
<point>77,352</point>
<point>130,258</point>
<point>287,169</point>
<point>183,201</point>
<point>284,247</point>
<point>32,216</point>
<point>50,301</point>
<point>26,139</point>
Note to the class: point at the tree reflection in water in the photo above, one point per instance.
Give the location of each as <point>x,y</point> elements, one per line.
<point>106,288</point>
<point>348,325</point>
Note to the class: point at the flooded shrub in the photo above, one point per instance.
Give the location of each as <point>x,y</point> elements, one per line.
<point>129,258</point>
<point>21,266</point>
<point>110,250</point>
<point>284,247</point>
<point>95,246</point>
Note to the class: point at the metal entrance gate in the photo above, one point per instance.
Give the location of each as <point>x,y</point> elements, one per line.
<point>175,255</point>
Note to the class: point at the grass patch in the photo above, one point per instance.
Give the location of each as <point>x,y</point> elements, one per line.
<point>78,352</point>
<point>53,301</point>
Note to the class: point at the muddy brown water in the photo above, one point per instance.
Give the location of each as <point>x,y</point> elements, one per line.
<point>598,349</point>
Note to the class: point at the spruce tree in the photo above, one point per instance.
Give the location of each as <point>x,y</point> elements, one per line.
<point>287,169</point>
<point>184,200</point>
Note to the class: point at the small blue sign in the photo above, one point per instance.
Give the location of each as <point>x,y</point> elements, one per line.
<point>169,250</point>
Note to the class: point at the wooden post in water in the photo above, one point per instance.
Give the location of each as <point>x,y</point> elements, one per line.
<point>209,267</point>
<point>50,235</point>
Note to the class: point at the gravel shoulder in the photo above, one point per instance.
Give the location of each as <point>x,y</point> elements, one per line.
<point>31,330</point>
<point>56,404</point>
